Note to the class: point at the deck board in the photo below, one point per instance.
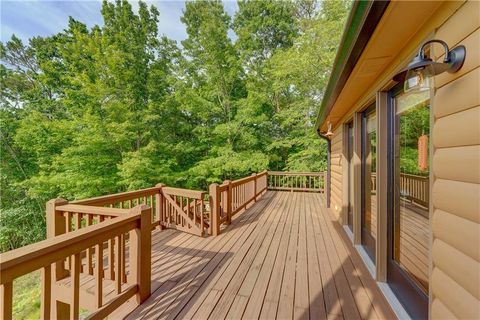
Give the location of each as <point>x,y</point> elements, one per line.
<point>284,257</point>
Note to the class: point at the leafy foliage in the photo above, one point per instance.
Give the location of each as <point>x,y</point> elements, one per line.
<point>117,107</point>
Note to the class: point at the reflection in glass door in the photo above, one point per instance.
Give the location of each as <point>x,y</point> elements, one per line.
<point>369,164</point>
<point>350,175</point>
<point>409,227</point>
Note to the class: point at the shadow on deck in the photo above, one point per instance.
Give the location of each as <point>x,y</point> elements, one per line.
<point>284,257</point>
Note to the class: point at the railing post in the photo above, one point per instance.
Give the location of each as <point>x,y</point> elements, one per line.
<point>254,187</point>
<point>214,198</point>
<point>56,225</point>
<point>140,253</point>
<point>159,205</point>
<point>228,201</point>
<point>6,300</point>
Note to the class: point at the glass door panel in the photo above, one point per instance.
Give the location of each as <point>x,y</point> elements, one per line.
<point>408,220</point>
<point>369,165</point>
<point>410,223</point>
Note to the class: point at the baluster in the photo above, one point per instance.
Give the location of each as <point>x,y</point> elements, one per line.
<point>6,299</point>
<point>78,226</point>
<point>201,215</point>
<point>123,258</point>
<point>110,258</point>
<point>118,263</point>
<point>152,209</point>
<point>195,212</point>
<point>46,296</point>
<point>98,275</point>
<point>75,286</point>
<point>78,221</point>
<point>88,222</point>
<point>69,229</point>
<point>188,208</point>
<point>159,207</point>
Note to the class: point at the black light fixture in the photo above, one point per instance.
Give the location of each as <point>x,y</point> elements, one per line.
<point>416,76</point>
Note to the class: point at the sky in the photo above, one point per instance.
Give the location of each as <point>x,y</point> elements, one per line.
<point>28,18</point>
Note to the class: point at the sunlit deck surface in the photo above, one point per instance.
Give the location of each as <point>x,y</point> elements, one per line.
<point>284,257</point>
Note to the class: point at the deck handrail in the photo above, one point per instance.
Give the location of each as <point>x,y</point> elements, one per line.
<point>296,181</point>
<point>231,197</point>
<point>117,197</point>
<point>50,255</point>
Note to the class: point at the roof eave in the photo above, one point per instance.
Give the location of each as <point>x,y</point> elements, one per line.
<point>361,23</point>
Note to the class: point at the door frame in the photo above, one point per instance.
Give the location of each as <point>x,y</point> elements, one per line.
<point>367,241</point>
<point>348,177</point>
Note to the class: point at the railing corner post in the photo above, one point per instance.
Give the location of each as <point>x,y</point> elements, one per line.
<point>55,219</point>
<point>56,225</point>
<point>228,201</point>
<point>254,187</point>
<point>159,206</point>
<point>141,258</point>
<point>214,209</point>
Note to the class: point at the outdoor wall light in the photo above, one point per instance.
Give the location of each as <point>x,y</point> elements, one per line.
<point>416,76</point>
<point>329,132</point>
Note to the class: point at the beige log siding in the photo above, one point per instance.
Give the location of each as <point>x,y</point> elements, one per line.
<point>455,277</point>
<point>336,172</point>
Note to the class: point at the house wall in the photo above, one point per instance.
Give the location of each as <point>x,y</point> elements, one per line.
<point>455,178</point>
<point>455,220</point>
<point>336,172</point>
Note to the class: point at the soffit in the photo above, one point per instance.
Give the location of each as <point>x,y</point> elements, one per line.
<point>400,22</point>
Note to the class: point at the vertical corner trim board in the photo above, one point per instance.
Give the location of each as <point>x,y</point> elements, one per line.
<point>336,172</point>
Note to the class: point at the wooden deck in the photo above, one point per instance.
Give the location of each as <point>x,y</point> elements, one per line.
<point>284,257</point>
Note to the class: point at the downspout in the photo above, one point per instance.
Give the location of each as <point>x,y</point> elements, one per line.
<point>329,151</point>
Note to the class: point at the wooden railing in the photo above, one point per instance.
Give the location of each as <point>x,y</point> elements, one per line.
<point>167,206</point>
<point>110,258</point>
<point>61,259</point>
<point>296,181</point>
<point>231,197</point>
<point>107,240</point>
<point>413,188</point>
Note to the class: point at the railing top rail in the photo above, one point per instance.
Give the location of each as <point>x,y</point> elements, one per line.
<point>27,259</point>
<point>241,181</point>
<point>78,208</point>
<point>290,173</point>
<point>414,176</point>
<point>117,196</point>
<point>264,172</point>
<point>247,179</point>
<point>195,194</point>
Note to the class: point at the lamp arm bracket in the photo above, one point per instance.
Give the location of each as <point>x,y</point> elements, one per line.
<point>446,58</point>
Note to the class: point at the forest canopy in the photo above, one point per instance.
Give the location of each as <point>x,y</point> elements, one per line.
<point>92,111</point>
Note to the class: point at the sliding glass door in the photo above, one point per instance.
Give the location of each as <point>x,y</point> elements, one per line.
<point>369,164</point>
<point>409,231</point>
